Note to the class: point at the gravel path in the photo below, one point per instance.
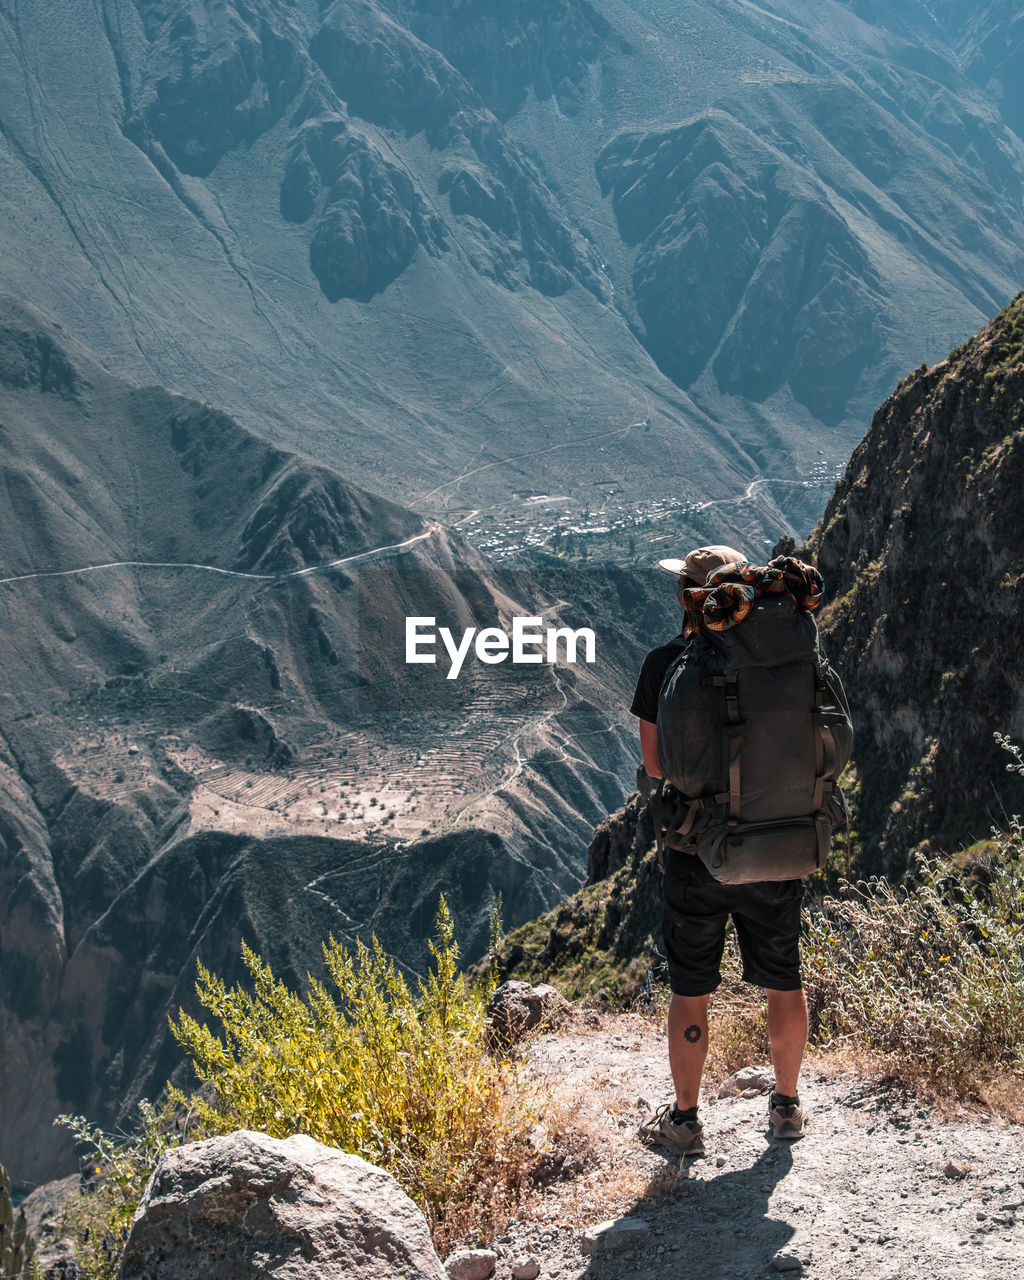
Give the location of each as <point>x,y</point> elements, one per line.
<point>881,1186</point>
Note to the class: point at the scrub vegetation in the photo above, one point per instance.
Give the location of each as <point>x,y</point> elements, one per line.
<point>923,980</point>
<point>404,1078</point>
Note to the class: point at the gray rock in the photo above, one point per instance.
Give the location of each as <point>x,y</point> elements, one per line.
<point>44,1217</point>
<point>471,1264</point>
<point>245,1205</point>
<point>616,1233</point>
<point>526,1268</point>
<point>786,1262</point>
<point>758,1079</point>
<point>516,1008</point>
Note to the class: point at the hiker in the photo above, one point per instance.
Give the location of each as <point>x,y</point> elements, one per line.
<point>697,905</point>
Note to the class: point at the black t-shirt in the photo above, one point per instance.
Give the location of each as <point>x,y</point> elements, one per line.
<point>652,673</point>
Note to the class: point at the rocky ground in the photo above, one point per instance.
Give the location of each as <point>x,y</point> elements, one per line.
<point>882,1184</point>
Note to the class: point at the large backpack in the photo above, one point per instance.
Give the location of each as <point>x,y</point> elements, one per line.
<point>754,728</point>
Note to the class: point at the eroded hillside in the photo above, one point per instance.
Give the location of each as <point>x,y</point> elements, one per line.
<point>210,732</point>
<point>475,256</point>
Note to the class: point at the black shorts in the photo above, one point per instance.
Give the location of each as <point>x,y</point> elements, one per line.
<point>767,919</point>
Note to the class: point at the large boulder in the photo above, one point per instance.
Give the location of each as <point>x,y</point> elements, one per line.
<point>245,1205</point>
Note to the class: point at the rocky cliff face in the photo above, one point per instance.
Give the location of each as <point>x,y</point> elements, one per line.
<point>711,189</point>
<point>923,553</point>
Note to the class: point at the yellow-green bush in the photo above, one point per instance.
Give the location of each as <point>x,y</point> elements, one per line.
<point>98,1216</point>
<point>399,1077</point>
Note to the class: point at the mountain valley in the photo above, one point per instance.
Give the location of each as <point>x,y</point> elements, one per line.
<point>464,253</point>
<point>210,731</point>
<point>319,316</point>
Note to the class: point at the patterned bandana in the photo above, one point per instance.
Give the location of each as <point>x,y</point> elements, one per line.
<point>731,591</point>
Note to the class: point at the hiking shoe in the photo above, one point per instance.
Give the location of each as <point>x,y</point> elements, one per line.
<point>660,1130</point>
<point>787,1118</point>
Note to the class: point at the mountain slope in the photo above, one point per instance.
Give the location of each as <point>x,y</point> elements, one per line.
<point>921,553</point>
<point>209,731</point>
<point>922,545</point>
<point>501,250</point>
<point>385,282</point>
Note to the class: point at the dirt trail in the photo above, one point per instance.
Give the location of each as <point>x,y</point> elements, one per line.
<point>283,576</point>
<point>869,1191</point>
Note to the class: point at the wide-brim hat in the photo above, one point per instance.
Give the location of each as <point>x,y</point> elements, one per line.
<point>701,562</point>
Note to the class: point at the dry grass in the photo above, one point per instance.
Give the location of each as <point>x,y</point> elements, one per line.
<point>927,979</point>
<point>996,1094</point>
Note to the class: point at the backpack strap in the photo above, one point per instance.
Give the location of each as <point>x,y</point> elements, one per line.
<point>733,736</point>
<point>665,807</point>
<point>656,799</point>
<point>826,783</point>
<point>823,832</point>
<point>827,756</point>
<point>735,740</point>
<point>693,808</point>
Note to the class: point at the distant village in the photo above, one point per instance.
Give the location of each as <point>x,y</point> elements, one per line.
<point>612,530</point>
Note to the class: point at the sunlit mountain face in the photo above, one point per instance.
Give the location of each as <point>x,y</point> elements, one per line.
<point>607,253</point>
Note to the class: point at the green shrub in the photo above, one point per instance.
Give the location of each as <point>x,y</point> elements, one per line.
<point>98,1216</point>
<point>401,1078</point>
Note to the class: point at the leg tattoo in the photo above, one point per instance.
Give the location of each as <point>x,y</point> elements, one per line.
<point>692,1034</point>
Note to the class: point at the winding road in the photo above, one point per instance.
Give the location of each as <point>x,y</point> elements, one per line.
<point>360,556</point>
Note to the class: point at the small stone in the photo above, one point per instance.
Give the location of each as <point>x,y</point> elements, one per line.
<point>616,1233</point>
<point>957,1170</point>
<point>526,1268</point>
<point>786,1262</point>
<point>720,1162</point>
<point>516,1007</point>
<point>758,1079</point>
<point>471,1264</point>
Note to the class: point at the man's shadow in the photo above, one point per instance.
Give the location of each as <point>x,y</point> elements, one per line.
<point>715,1225</point>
